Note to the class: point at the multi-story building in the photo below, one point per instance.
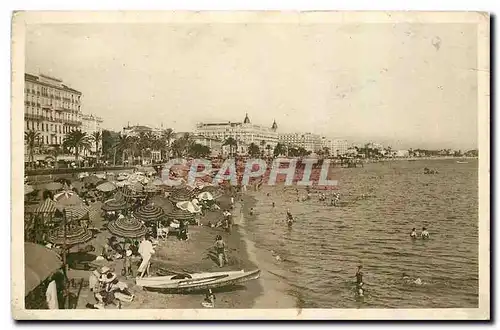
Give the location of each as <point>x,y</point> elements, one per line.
<point>243,132</point>
<point>90,125</point>
<point>51,108</point>
<point>308,141</point>
<point>340,147</point>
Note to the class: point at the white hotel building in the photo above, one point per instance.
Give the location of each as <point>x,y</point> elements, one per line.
<point>243,132</point>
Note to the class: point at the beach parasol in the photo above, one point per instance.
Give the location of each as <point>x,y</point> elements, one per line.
<point>135,186</point>
<point>53,186</point>
<point>106,186</point>
<point>191,207</point>
<point>77,185</point>
<point>127,228</point>
<point>205,196</point>
<point>76,212</point>
<point>178,214</point>
<point>28,189</point>
<point>163,202</point>
<point>151,188</point>
<point>39,264</point>
<point>91,179</point>
<point>122,183</point>
<point>115,205</point>
<point>180,195</point>
<point>74,235</point>
<point>47,206</point>
<point>157,182</point>
<point>101,176</point>
<point>67,198</point>
<point>149,213</point>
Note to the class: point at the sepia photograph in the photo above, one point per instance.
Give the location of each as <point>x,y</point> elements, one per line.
<point>251,165</point>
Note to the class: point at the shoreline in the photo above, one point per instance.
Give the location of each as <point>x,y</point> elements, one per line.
<point>273,289</point>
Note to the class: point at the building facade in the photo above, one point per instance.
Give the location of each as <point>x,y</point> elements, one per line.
<point>215,145</point>
<point>340,147</point>
<point>243,132</point>
<point>309,141</point>
<point>90,125</point>
<point>51,108</point>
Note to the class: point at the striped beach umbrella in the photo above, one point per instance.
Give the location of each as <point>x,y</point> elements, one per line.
<point>53,186</point>
<point>149,213</point>
<point>106,186</point>
<point>47,206</point>
<point>180,195</point>
<point>74,235</point>
<point>163,202</point>
<point>178,214</point>
<point>127,227</point>
<point>115,205</point>
<point>76,212</point>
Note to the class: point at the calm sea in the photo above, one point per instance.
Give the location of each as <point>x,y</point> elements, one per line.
<point>325,245</point>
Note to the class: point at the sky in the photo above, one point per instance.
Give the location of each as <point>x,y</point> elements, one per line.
<point>403,85</point>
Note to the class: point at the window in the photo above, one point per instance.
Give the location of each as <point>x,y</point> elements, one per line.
<point>51,128</point>
<point>37,126</point>
<point>27,125</point>
<point>47,139</point>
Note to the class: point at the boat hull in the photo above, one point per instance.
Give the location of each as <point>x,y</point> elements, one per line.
<point>198,283</point>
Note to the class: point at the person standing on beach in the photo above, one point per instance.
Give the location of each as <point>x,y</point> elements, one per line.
<point>146,251</point>
<point>220,249</point>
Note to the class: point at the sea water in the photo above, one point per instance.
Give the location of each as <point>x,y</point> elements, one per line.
<point>320,253</point>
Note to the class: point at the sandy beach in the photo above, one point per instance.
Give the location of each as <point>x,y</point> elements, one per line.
<point>194,255</point>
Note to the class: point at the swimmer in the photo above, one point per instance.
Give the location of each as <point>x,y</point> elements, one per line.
<point>274,204</point>
<point>425,233</point>
<point>251,211</point>
<point>408,280</point>
<point>413,233</point>
<point>359,276</point>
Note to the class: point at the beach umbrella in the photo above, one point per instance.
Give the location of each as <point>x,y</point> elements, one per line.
<point>91,179</point>
<point>189,206</point>
<point>47,206</point>
<point>157,182</point>
<point>106,186</point>
<point>122,183</point>
<point>127,227</point>
<point>67,198</point>
<point>122,177</point>
<point>178,214</point>
<point>78,185</point>
<point>53,186</point>
<point>115,205</point>
<point>135,186</point>
<point>28,189</point>
<point>101,176</point>
<point>149,212</point>
<point>39,264</point>
<point>151,188</point>
<point>76,212</point>
<point>205,196</point>
<point>74,235</point>
<point>162,202</point>
<point>180,195</point>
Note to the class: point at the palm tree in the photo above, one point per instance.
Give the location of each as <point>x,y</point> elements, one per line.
<point>262,145</point>
<point>78,141</point>
<point>231,142</point>
<point>31,139</point>
<point>268,148</point>
<point>180,146</point>
<point>55,152</point>
<point>279,150</point>
<point>97,139</point>
<point>167,136</point>
<point>122,145</point>
<point>253,150</point>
